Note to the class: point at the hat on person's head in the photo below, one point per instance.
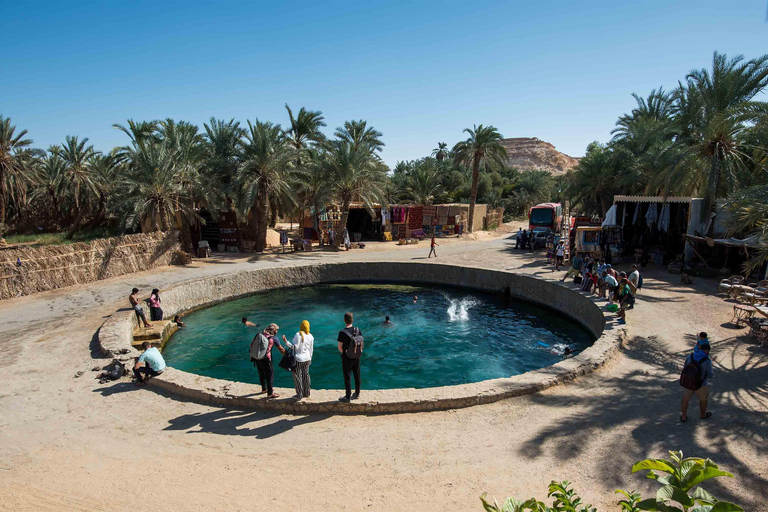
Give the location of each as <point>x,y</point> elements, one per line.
<point>623,274</point>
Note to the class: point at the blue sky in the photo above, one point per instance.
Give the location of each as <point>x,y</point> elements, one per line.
<point>419,72</point>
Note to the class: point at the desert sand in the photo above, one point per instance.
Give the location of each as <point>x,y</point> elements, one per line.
<point>69,443</point>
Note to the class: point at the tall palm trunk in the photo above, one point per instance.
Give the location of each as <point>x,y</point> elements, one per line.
<point>261,209</point>
<point>186,231</point>
<point>316,224</point>
<point>343,221</point>
<point>76,224</point>
<point>473,192</point>
<point>2,195</point>
<point>165,225</point>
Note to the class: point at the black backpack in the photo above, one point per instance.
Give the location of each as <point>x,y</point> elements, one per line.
<point>690,377</point>
<point>640,282</point>
<point>355,347</point>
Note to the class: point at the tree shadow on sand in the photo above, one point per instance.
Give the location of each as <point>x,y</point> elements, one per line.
<point>235,422</point>
<point>646,403</point>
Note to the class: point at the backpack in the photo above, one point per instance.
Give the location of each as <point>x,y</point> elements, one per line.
<point>355,347</point>
<point>259,347</point>
<point>640,282</point>
<point>690,378</point>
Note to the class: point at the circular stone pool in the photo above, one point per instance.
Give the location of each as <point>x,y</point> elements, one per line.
<point>449,336</point>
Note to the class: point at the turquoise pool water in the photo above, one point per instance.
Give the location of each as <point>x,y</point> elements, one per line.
<point>449,336</point>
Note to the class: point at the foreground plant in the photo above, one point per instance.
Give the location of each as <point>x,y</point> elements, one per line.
<point>680,490</point>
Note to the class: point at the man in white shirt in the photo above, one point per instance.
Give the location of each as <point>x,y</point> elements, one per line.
<point>634,277</point>
<point>559,255</point>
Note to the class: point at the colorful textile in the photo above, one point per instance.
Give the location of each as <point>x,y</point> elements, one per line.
<point>429,210</point>
<point>401,231</point>
<point>435,221</point>
<point>414,217</point>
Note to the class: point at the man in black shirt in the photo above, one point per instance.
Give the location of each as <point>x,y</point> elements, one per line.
<point>349,365</point>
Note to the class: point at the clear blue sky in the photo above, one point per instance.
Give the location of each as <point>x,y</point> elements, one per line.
<point>419,72</point>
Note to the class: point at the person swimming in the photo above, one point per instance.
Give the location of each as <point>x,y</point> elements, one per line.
<point>415,298</point>
<point>387,321</point>
<point>247,323</point>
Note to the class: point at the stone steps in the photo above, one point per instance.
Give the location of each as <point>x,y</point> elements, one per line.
<point>158,334</point>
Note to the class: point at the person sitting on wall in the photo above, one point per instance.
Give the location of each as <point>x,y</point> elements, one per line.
<point>153,364</point>
<point>178,322</point>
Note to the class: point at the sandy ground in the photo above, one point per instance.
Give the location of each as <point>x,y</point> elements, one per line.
<point>69,443</point>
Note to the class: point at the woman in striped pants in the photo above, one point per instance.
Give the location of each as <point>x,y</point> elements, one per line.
<point>303,344</point>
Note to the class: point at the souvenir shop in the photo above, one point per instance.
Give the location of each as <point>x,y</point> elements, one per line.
<point>648,228</point>
<point>394,222</point>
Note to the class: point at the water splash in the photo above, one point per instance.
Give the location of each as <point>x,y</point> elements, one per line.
<point>458,309</point>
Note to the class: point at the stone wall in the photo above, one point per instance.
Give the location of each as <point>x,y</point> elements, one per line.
<point>28,270</point>
<point>115,335</point>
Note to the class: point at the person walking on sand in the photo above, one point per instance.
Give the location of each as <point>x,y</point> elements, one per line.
<point>695,379</point>
<point>303,346</point>
<point>261,355</point>
<point>576,263</point>
<point>351,348</point>
<point>150,363</point>
<point>155,311</point>
<point>559,255</point>
<point>432,246</point>
<point>136,305</point>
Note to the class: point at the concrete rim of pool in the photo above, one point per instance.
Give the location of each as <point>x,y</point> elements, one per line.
<point>116,336</point>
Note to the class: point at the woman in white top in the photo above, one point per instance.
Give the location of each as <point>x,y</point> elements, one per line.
<point>303,345</point>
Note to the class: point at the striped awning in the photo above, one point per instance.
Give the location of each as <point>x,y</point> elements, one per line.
<point>652,199</point>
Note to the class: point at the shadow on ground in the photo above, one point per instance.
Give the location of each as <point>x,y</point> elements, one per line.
<point>234,422</point>
<point>739,393</point>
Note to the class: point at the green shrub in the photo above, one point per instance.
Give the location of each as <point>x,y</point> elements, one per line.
<point>680,490</point>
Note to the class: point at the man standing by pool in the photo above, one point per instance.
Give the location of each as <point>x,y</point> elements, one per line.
<point>350,365</point>
<point>261,353</point>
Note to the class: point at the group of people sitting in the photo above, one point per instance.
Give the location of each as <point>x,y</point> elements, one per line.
<point>597,276</point>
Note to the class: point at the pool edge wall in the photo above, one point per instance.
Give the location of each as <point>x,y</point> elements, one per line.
<point>116,334</point>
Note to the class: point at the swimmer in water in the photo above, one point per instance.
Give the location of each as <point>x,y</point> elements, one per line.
<point>415,298</point>
<point>387,322</point>
<point>248,323</point>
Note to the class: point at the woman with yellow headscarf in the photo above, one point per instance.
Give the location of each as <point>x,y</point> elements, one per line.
<point>303,345</point>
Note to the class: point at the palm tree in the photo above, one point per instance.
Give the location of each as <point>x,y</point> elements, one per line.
<point>354,173</point>
<point>49,179</point>
<point>188,149</point>
<point>305,128</point>
<point>423,183</point>
<point>482,146</point>
<point>715,112</point>
<point>154,188</point>
<point>314,191</point>
<point>224,141</point>
<point>749,211</point>
<point>79,180</point>
<point>441,151</point>
<point>15,164</point>
<point>359,135</point>
<point>106,169</point>
<point>265,172</point>
<point>139,131</point>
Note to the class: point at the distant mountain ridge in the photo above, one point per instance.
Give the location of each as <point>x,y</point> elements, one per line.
<point>528,153</point>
